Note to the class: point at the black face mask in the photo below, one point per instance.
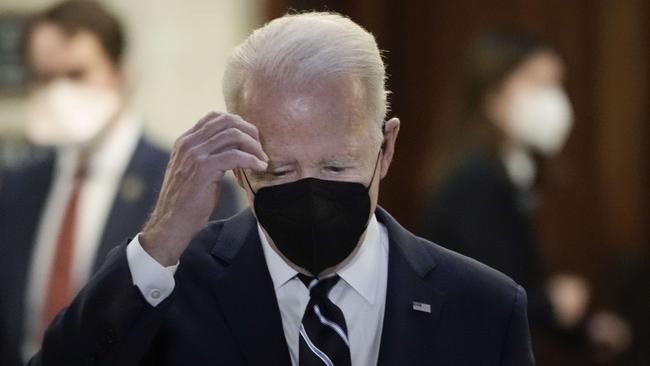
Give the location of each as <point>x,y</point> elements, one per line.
<point>315,223</point>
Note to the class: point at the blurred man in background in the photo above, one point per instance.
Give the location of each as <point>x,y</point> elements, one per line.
<point>60,216</point>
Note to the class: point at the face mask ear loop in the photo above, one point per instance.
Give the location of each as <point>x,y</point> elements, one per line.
<point>374,172</point>
<point>249,183</point>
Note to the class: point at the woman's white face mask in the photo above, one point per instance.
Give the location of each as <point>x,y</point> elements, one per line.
<point>541,119</point>
<point>66,113</point>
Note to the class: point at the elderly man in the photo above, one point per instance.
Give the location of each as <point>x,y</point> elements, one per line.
<point>315,273</point>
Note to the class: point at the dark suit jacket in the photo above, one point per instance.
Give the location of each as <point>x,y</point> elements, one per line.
<point>23,193</point>
<point>223,310</point>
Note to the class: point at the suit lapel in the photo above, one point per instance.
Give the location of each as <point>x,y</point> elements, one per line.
<point>244,291</point>
<point>413,306</point>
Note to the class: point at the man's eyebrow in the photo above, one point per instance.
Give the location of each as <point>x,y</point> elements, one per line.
<point>340,159</point>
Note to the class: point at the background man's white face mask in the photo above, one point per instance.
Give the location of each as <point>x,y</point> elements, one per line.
<point>68,113</point>
<point>541,119</point>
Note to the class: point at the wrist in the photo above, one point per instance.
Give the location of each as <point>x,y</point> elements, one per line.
<point>160,247</point>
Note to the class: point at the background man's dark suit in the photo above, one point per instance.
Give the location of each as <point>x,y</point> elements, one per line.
<point>23,194</point>
<point>223,310</point>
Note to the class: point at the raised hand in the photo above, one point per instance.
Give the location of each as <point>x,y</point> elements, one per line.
<point>199,160</point>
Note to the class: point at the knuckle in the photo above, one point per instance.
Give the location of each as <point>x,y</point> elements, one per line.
<point>212,115</point>
<point>201,160</point>
<point>182,172</point>
<point>230,121</point>
<point>194,155</point>
<point>182,143</point>
<point>206,117</point>
<point>177,142</point>
<point>221,118</point>
<point>212,122</point>
<point>233,133</point>
<point>242,123</point>
<point>201,165</point>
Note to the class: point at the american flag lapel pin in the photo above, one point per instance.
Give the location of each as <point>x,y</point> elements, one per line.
<point>420,306</point>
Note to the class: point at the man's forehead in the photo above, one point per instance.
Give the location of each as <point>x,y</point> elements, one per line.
<point>320,110</point>
<point>299,100</point>
<point>53,49</point>
<point>47,45</point>
<point>310,122</point>
<point>315,134</point>
<point>326,157</point>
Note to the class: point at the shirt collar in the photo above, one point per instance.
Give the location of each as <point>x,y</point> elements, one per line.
<point>360,272</point>
<point>520,167</point>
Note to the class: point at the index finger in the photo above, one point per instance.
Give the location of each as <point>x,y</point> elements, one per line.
<point>202,121</point>
<point>221,123</point>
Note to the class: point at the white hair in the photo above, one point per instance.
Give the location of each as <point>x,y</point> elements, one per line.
<point>305,48</point>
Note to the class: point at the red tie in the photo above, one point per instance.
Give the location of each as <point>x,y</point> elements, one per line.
<point>59,290</point>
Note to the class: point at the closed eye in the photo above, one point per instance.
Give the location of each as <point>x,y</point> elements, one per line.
<point>335,169</point>
<point>279,173</point>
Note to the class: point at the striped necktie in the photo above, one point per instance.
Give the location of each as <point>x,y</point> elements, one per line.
<point>323,333</point>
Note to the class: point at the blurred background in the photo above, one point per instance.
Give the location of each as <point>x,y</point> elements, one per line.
<point>175,54</point>
<point>591,219</point>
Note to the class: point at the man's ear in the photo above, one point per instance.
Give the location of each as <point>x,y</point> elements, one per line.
<point>391,129</point>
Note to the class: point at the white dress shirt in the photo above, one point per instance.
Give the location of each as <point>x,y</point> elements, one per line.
<point>105,169</point>
<point>360,294</point>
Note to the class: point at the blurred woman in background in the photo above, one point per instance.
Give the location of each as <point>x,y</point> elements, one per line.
<point>515,114</point>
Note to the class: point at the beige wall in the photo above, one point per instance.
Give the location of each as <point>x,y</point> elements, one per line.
<point>175,58</point>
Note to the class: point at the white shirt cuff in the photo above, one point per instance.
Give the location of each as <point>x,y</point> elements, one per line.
<point>155,282</point>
